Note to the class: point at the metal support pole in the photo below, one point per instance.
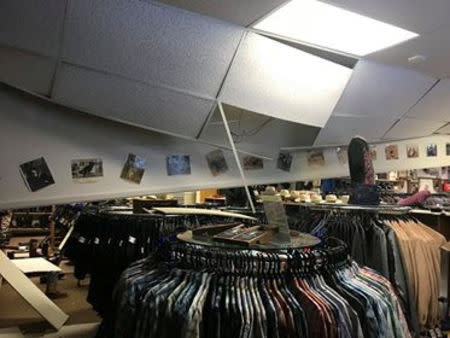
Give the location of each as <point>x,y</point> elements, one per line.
<point>236,156</point>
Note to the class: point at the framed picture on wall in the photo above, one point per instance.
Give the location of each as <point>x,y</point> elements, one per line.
<point>178,165</point>
<point>134,169</point>
<point>36,174</point>
<point>86,170</point>
<point>315,158</point>
<point>412,150</point>
<point>391,152</point>
<point>284,161</point>
<point>216,162</point>
<point>253,163</point>
<point>432,150</point>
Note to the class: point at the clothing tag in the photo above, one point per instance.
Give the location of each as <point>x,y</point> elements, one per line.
<point>82,239</point>
<point>109,240</point>
<point>148,240</point>
<point>142,250</point>
<point>121,242</point>
<point>96,240</point>
<point>131,239</point>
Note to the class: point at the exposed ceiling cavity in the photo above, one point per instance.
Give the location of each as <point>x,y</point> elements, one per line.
<point>256,133</point>
<point>341,59</point>
<point>239,12</point>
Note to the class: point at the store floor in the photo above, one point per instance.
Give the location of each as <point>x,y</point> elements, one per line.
<point>15,311</point>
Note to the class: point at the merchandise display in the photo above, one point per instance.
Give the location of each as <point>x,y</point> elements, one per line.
<point>225,169</point>
<point>387,240</point>
<point>103,245</point>
<point>200,291</point>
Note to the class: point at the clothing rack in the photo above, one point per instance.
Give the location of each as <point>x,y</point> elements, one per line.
<point>105,241</point>
<point>186,290</point>
<point>383,239</point>
<point>251,262</point>
<point>378,209</point>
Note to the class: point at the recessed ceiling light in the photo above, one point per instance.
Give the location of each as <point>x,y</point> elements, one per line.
<point>320,24</point>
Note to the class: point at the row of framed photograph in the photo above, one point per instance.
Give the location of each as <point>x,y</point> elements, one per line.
<point>37,175</point>
<point>316,158</point>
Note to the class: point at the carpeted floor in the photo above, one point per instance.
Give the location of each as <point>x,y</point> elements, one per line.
<point>15,311</point>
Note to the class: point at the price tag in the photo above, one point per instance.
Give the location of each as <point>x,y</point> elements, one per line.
<point>131,239</point>
<point>82,239</point>
<point>96,240</point>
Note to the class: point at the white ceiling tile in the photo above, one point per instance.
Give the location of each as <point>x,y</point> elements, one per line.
<point>32,24</point>
<point>339,130</point>
<point>273,79</point>
<point>249,10</point>
<point>131,102</point>
<point>435,105</point>
<point>434,46</point>
<point>408,128</point>
<point>427,18</point>
<point>416,15</point>
<point>153,43</point>
<point>382,91</point>
<point>26,71</point>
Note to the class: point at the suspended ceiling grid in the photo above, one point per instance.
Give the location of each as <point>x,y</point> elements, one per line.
<point>162,67</point>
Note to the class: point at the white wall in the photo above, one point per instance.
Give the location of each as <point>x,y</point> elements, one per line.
<point>31,128</point>
<point>334,169</point>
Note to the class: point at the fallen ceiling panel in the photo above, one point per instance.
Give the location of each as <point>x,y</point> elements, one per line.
<point>339,130</point>
<point>273,79</point>
<point>240,12</point>
<point>435,105</point>
<point>152,43</point>
<point>382,91</point>
<point>26,71</point>
<point>409,128</point>
<point>130,102</point>
<point>416,15</point>
<point>33,25</point>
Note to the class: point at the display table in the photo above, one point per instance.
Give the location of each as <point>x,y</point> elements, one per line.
<point>35,265</point>
<point>41,266</point>
<point>29,291</point>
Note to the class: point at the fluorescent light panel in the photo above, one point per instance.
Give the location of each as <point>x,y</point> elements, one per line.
<point>317,23</point>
